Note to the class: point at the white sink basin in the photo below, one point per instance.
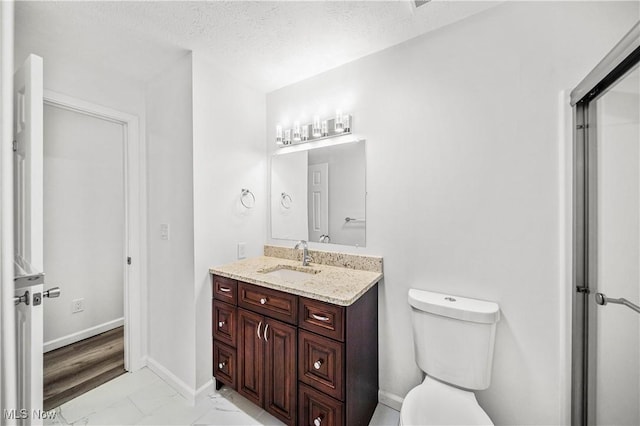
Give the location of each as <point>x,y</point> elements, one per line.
<point>290,273</point>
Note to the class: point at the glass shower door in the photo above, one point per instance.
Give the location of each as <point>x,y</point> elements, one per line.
<point>614,254</point>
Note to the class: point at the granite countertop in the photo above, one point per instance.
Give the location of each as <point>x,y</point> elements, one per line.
<point>332,284</point>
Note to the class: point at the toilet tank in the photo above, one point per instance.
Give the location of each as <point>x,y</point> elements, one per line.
<point>454,337</point>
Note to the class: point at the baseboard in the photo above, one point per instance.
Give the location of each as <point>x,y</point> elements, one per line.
<point>172,380</point>
<point>82,334</point>
<point>204,389</point>
<point>390,400</point>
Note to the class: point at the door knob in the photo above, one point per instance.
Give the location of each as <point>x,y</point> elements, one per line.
<point>317,421</point>
<point>222,365</point>
<point>221,323</point>
<point>21,299</point>
<point>263,300</point>
<point>317,364</point>
<point>52,292</point>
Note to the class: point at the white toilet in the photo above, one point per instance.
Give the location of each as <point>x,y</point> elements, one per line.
<point>453,341</point>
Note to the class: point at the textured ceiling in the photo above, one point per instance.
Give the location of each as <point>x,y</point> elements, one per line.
<point>266,44</point>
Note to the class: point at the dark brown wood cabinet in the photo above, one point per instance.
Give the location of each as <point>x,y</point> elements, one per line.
<point>305,361</point>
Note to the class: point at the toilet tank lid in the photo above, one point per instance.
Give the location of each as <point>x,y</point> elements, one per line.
<point>461,308</point>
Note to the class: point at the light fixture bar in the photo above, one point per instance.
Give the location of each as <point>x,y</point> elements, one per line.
<point>316,130</point>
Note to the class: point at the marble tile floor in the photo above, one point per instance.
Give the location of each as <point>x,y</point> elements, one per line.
<point>143,398</point>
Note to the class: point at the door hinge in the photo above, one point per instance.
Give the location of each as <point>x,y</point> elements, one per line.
<point>128,260</point>
<point>14,145</point>
<point>584,290</point>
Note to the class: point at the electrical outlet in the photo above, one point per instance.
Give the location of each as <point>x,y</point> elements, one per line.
<point>242,250</point>
<point>77,306</point>
<point>164,231</point>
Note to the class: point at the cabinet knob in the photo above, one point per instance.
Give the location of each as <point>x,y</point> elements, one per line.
<point>222,365</point>
<point>263,300</point>
<point>221,323</point>
<point>317,421</point>
<point>317,364</point>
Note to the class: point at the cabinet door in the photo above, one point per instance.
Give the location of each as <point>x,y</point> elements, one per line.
<point>317,409</point>
<point>224,322</point>
<point>224,364</point>
<point>280,370</point>
<point>250,356</point>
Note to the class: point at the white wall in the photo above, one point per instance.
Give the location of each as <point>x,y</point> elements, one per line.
<point>228,155</point>
<point>83,224</point>
<point>463,180</point>
<point>171,320</point>
<point>289,175</point>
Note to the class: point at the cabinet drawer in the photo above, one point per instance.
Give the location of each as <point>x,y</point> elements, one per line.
<point>272,303</point>
<point>224,364</point>
<point>322,318</point>
<point>317,409</point>
<point>321,363</point>
<point>225,289</point>
<point>224,322</point>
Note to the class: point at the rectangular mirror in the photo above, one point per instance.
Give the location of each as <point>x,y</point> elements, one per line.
<point>319,194</point>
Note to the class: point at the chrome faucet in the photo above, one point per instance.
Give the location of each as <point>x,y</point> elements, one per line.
<point>305,252</point>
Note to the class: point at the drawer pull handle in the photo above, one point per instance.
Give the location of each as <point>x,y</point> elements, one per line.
<point>320,317</point>
<point>263,300</point>
<point>266,339</point>
<point>317,364</point>
<point>317,421</point>
<point>221,323</point>
<point>258,331</point>
<point>224,289</point>
<point>222,365</point>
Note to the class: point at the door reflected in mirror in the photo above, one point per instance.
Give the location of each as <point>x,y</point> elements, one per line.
<point>319,194</point>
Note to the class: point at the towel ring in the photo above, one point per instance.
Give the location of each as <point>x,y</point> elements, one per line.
<point>283,200</point>
<point>244,193</point>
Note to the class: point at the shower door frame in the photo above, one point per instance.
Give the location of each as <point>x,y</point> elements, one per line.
<point>623,58</point>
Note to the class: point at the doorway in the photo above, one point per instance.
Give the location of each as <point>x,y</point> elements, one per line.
<point>84,248</point>
<point>606,275</point>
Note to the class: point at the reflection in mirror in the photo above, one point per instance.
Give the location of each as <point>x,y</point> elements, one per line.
<point>319,194</point>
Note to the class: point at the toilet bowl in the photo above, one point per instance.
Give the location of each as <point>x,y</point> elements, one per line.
<point>435,403</point>
<point>453,341</point>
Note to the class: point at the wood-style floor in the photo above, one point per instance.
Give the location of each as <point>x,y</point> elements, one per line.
<point>77,368</point>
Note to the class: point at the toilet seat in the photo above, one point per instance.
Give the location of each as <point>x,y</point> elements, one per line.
<point>435,403</point>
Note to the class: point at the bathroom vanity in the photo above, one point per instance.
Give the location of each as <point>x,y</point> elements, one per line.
<point>301,342</point>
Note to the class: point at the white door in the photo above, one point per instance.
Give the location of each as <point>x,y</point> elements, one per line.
<point>318,201</point>
<point>28,235</point>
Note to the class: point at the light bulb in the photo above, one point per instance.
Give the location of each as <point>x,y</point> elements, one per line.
<point>316,130</point>
<point>338,125</point>
<point>296,131</point>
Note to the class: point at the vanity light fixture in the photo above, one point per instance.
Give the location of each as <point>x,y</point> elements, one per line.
<point>338,125</point>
